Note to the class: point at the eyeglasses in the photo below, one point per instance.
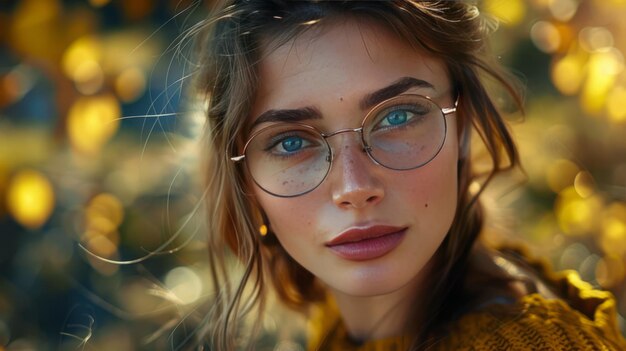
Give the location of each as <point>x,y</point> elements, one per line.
<point>292,159</point>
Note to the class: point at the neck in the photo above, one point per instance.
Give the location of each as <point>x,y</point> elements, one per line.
<point>396,313</point>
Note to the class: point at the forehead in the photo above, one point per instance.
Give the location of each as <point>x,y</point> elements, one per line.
<point>341,60</point>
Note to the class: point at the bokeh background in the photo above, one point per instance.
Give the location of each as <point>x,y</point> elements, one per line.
<point>99,153</point>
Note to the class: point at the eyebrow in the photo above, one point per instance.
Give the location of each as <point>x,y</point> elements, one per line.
<point>370,100</point>
<point>394,89</point>
<point>291,115</point>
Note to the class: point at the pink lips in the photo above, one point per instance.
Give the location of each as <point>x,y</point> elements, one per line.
<point>360,244</point>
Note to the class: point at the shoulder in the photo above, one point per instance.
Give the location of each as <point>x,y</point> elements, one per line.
<point>556,311</point>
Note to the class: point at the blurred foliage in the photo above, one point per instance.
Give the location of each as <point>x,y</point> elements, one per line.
<point>99,153</point>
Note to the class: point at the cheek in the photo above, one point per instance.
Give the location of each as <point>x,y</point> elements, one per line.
<point>295,226</point>
<point>286,215</point>
<point>433,189</point>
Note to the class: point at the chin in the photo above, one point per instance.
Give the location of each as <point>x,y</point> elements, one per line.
<point>373,281</point>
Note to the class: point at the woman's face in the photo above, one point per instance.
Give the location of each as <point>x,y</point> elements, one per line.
<point>366,230</point>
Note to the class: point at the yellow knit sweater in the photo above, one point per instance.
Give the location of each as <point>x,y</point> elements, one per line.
<point>580,319</point>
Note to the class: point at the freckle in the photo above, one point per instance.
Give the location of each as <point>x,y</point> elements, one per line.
<point>341,98</point>
<point>426,205</point>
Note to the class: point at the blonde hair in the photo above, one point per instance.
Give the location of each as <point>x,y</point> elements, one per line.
<point>230,49</point>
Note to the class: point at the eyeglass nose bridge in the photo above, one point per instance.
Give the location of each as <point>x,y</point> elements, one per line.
<point>359,130</point>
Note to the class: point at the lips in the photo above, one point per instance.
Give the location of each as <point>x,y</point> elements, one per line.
<point>360,244</point>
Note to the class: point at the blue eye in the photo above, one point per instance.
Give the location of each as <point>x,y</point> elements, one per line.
<point>397,117</point>
<point>291,144</point>
<point>288,141</point>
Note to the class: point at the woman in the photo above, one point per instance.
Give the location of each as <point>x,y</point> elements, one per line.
<point>338,167</point>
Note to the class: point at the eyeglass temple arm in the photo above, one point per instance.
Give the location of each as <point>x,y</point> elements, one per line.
<point>237,158</point>
<point>449,110</point>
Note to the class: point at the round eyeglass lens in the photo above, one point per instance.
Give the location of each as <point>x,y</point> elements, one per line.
<point>288,160</point>
<point>405,132</point>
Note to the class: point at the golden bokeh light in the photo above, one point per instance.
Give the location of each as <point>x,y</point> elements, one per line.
<point>84,50</point>
<point>577,215</point>
<point>108,206</point>
<point>35,28</point>
<point>100,225</point>
<point>615,104</point>
<point>545,36</point>
<point>595,39</point>
<point>510,12</point>
<point>101,245</point>
<point>92,121</point>
<point>613,238</point>
<point>102,217</point>
<point>88,77</point>
<point>567,73</point>
<point>584,184</point>
<point>130,84</point>
<point>560,174</point>
<point>602,70</point>
<point>185,284</point>
<point>122,51</point>
<point>30,198</point>
<point>563,10</point>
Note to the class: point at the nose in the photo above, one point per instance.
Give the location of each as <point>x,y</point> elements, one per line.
<point>354,180</point>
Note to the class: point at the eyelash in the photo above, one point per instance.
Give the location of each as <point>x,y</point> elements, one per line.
<point>277,139</point>
<point>412,109</point>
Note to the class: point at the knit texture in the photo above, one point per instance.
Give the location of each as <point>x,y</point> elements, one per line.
<point>581,319</point>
